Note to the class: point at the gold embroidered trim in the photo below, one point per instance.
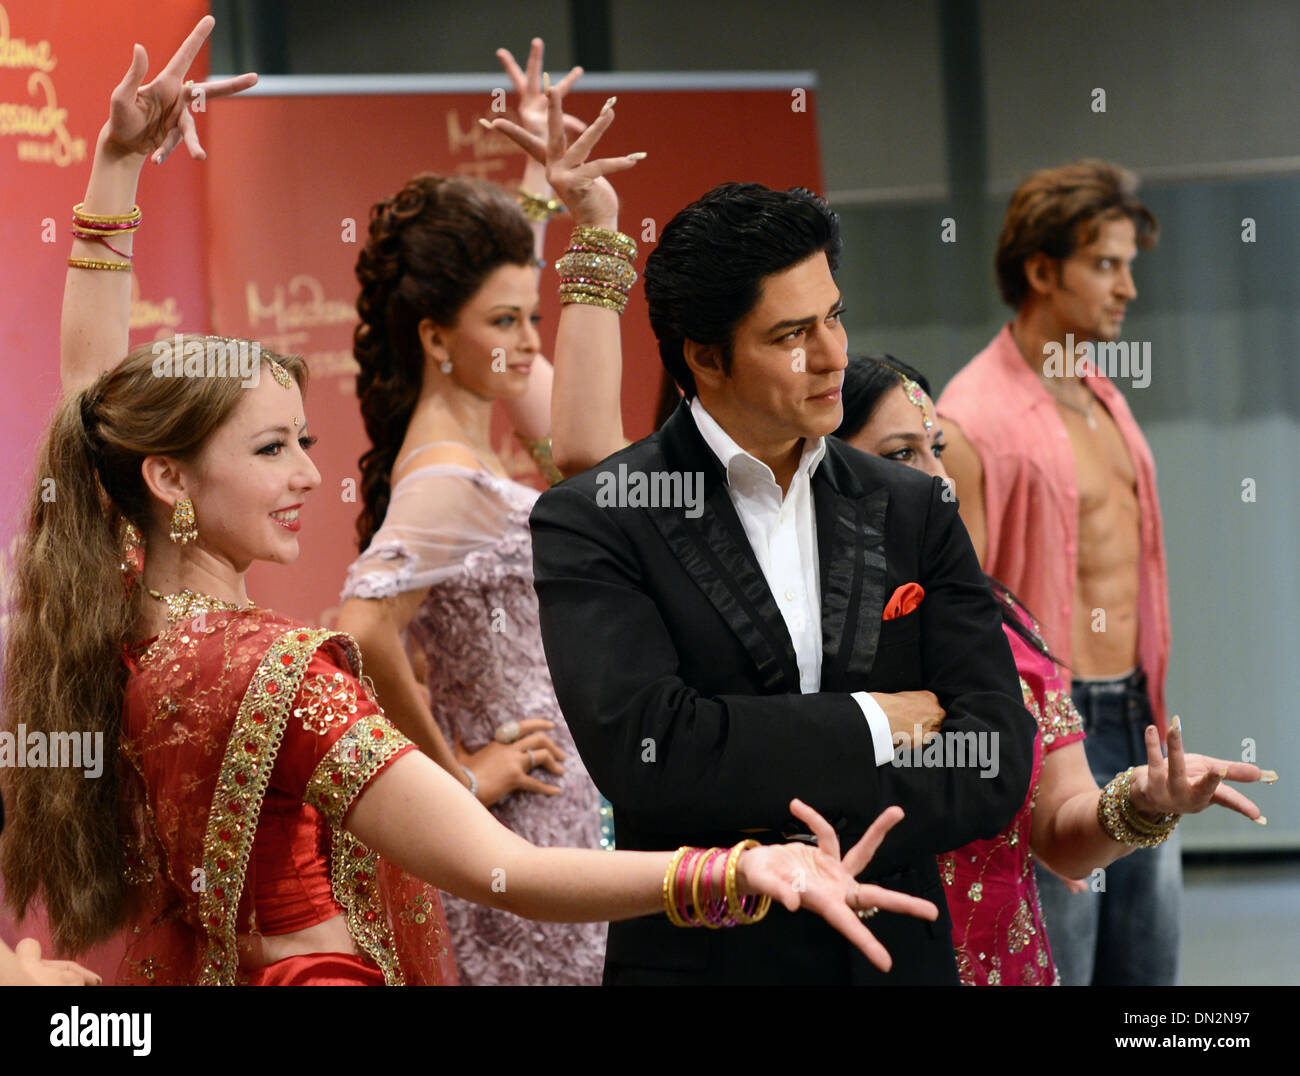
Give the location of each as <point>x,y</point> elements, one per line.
<point>242,782</point>
<point>355,758</point>
<point>338,779</point>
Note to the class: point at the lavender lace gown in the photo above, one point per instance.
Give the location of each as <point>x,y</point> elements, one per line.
<point>463,534</point>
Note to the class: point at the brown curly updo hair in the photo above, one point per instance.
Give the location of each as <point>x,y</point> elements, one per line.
<point>431,246</point>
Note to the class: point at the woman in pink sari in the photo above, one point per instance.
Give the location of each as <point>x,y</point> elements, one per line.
<point>998,932</point>
<point>267,823</point>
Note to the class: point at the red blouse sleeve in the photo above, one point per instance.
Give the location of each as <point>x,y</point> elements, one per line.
<point>336,739</point>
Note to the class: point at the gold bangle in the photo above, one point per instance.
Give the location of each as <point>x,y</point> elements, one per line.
<point>603,241</point>
<point>734,904</point>
<point>589,287</point>
<point>670,887</point>
<point>540,452</point>
<point>99,263</point>
<point>615,305</point>
<point>1121,823</point>
<point>611,269</point>
<point>108,218</point>
<point>537,208</point>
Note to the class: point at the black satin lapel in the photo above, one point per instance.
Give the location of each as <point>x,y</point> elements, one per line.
<point>850,547</point>
<point>715,551</point>
<point>724,568</point>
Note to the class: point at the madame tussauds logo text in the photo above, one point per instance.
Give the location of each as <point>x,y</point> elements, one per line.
<point>181,357</point>
<point>74,750</point>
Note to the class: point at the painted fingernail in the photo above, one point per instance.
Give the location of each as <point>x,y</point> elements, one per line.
<point>486,123</point>
<point>608,104</point>
<point>1176,725</point>
<point>546,81</point>
<point>1268,776</point>
<point>638,156</point>
<point>1261,821</point>
<point>1224,772</point>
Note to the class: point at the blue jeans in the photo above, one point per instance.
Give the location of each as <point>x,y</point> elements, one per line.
<point>1128,933</point>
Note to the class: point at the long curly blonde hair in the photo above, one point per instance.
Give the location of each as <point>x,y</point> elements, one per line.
<point>71,614</point>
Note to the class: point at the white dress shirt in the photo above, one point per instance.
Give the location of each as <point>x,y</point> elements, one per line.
<point>782,531</point>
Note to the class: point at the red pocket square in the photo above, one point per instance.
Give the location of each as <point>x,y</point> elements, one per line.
<point>905,599</point>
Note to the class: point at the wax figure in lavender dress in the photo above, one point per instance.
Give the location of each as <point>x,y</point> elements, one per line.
<point>998,925</point>
<point>253,829</point>
<point>448,305</point>
<point>459,536</point>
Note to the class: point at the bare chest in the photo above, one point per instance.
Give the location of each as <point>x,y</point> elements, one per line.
<point>1105,477</point>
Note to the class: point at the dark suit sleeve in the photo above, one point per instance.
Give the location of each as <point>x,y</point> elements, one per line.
<point>967,662</point>
<point>678,761</point>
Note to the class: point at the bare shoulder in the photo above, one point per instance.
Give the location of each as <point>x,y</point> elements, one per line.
<point>445,452</point>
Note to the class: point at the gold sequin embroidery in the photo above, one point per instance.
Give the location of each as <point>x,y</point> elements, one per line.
<point>329,701</point>
<point>1060,718</point>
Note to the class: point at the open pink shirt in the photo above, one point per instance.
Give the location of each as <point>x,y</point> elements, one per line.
<point>1031,502</point>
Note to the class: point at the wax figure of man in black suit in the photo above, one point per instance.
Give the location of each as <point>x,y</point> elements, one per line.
<point>718,656</point>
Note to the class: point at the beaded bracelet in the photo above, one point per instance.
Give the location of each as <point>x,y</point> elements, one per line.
<point>1120,821</point>
<point>615,303</point>
<point>597,268</point>
<point>587,237</point>
<point>610,269</point>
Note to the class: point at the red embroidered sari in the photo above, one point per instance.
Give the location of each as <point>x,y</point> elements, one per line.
<point>245,739</point>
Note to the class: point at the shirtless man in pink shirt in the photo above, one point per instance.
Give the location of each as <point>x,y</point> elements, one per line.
<point>1066,515</point>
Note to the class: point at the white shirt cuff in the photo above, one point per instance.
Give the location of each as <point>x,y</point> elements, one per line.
<point>879,725</point>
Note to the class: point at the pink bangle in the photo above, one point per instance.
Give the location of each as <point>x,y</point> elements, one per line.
<point>715,908</point>
<point>105,226</point>
<point>101,239</point>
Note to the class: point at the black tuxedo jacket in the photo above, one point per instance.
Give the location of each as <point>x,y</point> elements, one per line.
<point>677,677</point>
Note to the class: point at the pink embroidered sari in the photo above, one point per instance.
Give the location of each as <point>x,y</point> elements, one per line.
<point>997,924</point>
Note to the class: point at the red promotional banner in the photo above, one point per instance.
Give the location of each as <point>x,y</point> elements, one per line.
<point>291,179</point>
<point>58,64</point>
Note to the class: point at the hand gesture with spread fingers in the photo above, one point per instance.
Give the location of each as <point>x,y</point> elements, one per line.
<point>1188,784</point>
<point>579,183</point>
<point>800,876</point>
<point>154,117</point>
<point>527,84</point>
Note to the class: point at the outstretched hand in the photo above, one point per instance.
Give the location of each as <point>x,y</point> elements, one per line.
<point>154,118</point>
<point>800,876</point>
<point>580,184</point>
<point>528,85</point>
<point>1188,784</point>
